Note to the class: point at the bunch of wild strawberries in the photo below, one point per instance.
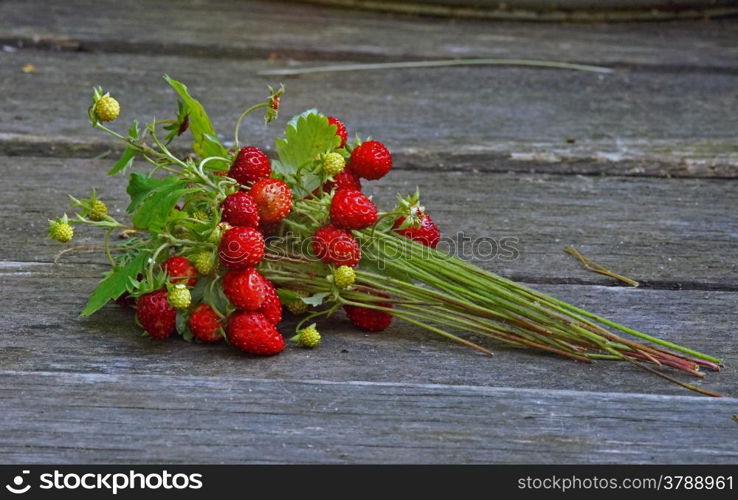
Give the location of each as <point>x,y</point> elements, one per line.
<point>253,212</point>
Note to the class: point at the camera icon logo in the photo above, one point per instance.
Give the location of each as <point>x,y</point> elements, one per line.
<point>17,487</point>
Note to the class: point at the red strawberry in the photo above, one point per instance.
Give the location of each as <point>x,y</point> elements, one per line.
<point>336,246</point>
<point>205,324</point>
<point>273,199</point>
<point>251,164</point>
<point>245,289</point>
<point>179,269</point>
<point>254,334</point>
<point>345,179</point>
<point>367,319</point>
<point>155,314</point>
<point>352,210</point>
<point>241,247</point>
<point>239,209</point>
<point>427,233</point>
<point>272,306</point>
<point>371,160</point>
<point>340,129</point>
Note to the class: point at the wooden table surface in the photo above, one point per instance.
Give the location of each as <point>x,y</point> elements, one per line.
<point>636,168</point>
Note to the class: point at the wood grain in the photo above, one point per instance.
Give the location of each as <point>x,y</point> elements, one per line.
<point>255,29</point>
<point>63,417</point>
<point>631,122</point>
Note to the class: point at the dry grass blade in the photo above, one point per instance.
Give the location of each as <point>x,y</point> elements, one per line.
<point>594,267</point>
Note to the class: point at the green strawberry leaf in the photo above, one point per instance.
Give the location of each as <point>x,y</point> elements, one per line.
<point>115,283</point>
<point>180,125</point>
<point>125,161</point>
<point>205,141</point>
<point>293,121</point>
<point>306,136</point>
<point>140,186</point>
<point>155,210</point>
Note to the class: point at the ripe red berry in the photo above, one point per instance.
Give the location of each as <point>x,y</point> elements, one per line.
<point>352,210</point>
<point>336,246</point>
<point>272,306</point>
<point>371,160</point>
<point>179,269</point>
<point>245,289</point>
<point>254,334</point>
<point>241,247</point>
<point>273,199</point>
<point>155,314</point>
<point>239,209</point>
<point>427,233</point>
<point>345,179</point>
<point>340,129</point>
<point>251,164</point>
<point>370,320</point>
<point>205,324</point>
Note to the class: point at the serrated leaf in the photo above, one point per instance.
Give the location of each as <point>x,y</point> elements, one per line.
<point>205,141</point>
<point>304,139</point>
<point>154,211</point>
<point>294,119</point>
<point>140,186</point>
<point>114,284</point>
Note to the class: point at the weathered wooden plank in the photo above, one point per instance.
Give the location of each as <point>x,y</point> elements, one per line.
<point>546,10</point>
<point>45,333</point>
<point>71,418</point>
<point>261,28</point>
<point>629,122</point>
<point>666,233</point>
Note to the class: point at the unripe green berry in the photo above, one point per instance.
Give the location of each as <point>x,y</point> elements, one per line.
<point>98,210</point>
<point>107,109</point>
<point>297,306</point>
<point>218,232</point>
<point>61,231</point>
<point>179,297</point>
<point>200,215</point>
<point>307,337</point>
<point>333,163</point>
<point>344,276</point>
<point>204,262</point>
